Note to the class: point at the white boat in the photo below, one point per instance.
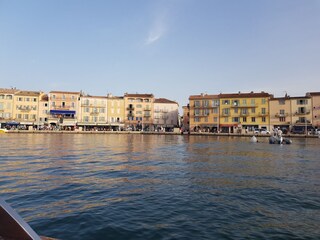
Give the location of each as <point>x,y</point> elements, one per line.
<point>253,139</point>
<point>279,140</point>
<point>3,130</point>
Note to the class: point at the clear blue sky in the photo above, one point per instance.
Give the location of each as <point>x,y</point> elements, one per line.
<point>171,48</point>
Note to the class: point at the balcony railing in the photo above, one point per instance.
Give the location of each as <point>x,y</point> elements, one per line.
<point>302,113</point>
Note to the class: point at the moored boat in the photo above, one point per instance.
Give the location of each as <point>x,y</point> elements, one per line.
<point>2,130</point>
<point>279,140</point>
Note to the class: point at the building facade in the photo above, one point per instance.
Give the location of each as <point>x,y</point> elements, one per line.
<point>92,113</point>
<point>315,102</point>
<point>26,108</point>
<point>244,112</point>
<point>6,106</point>
<point>138,111</point>
<point>63,108</point>
<point>165,115</point>
<point>204,113</point>
<point>116,112</point>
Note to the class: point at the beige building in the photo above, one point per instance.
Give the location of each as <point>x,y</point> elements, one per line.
<point>6,106</point>
<point>63,108</point>
<point>315,102</point>
<point>280,113</point>
<point>115,112</point>
<point>185,118</point>
<point>301,111</point>
<point>92,112</point>
<point>166,114</point>
<point>138,111</point>
<point>204,112</point>
<point>43,111</point>
<point>26,107</point>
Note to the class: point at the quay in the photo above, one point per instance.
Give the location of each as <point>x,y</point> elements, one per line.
<point>157,133</point>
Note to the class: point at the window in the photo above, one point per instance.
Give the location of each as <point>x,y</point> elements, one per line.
<point>139,100</point>
<point>244,102</point>
<point>282,119</point>
<point>263,119</point>
<point>86,118</point>
<point>205,112</point>
<point>253,119</point>
<point>263,110</point>
<point>215,119</point>
<point>20,99</point>
<point>215,103</point>
<point>236,110</point>
<point>8,97</point>
<point>263,101</point>
<point>301,110</point>
<point>1,96</point>
<point>139,106</point>
<point>53,104</point>
<point>226,111</point>
<point>197,103</point>
<point>206,119</point>
<point>244,119</point>
<point>282,112</point>
<point>205,103</point>
<point>196,119</point>
<point>302,101</point>
<point>235,102</point>
<point>86,109</point>
<point>215,110</point>
<point>196,112</point>
<point>226,102</point>
<point>253,102</point>
<point>253,110</point>
<point>53,96</point>
<point>226,119</point>
<point>34,99</point>
<point>235,119</point>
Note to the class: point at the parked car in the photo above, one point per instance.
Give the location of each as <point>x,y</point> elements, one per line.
<point>261,131</point>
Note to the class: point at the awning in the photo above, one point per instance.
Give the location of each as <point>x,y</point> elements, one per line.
<point>61,112</point>
<point>12,123</point>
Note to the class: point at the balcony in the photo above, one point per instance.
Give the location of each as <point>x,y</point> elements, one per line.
<point>263,114</point>
<point>146,109</point>
<point>281,115</point>
<point>244,114</point>
<point>302,112</point>
<point>225,114</point>
<point>130,108</point>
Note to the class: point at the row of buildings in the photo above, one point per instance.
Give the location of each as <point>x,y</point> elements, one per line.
<point>239,112</point>
<point>70,110</point>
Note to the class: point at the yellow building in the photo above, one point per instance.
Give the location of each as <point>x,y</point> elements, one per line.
<point>204,113</point>
<point>6,106</point>
<point>138,111</point>
<point>116,112</point>
<point>63,108</point>
<point>26,108</point>
<point>241,112</point>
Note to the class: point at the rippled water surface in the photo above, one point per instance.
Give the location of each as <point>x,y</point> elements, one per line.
<point>118,186</point>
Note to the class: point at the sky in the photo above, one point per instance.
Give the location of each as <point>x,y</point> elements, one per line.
<point>171,48</point>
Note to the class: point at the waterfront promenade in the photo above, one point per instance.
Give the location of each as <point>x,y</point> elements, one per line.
<point>157,133</point>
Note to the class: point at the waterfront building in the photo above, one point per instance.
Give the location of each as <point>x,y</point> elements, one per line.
<point>301,113</point>
<point>92,113</point>
<point>244,112</point>
<point>166,114</point>
<point>315,108</point>
<point>115,112</point>
<point>185,118</point>
<point>280,113</point>
<point>26,108</point>
<point>204,112</point>
<point>43,111</point>
<point>63,109</point>
<point>6,106</point>
<point>138,111</point>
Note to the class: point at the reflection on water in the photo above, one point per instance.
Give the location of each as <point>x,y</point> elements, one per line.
<point>117,186</point>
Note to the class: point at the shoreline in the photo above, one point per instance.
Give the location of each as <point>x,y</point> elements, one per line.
<point>157,133</point>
